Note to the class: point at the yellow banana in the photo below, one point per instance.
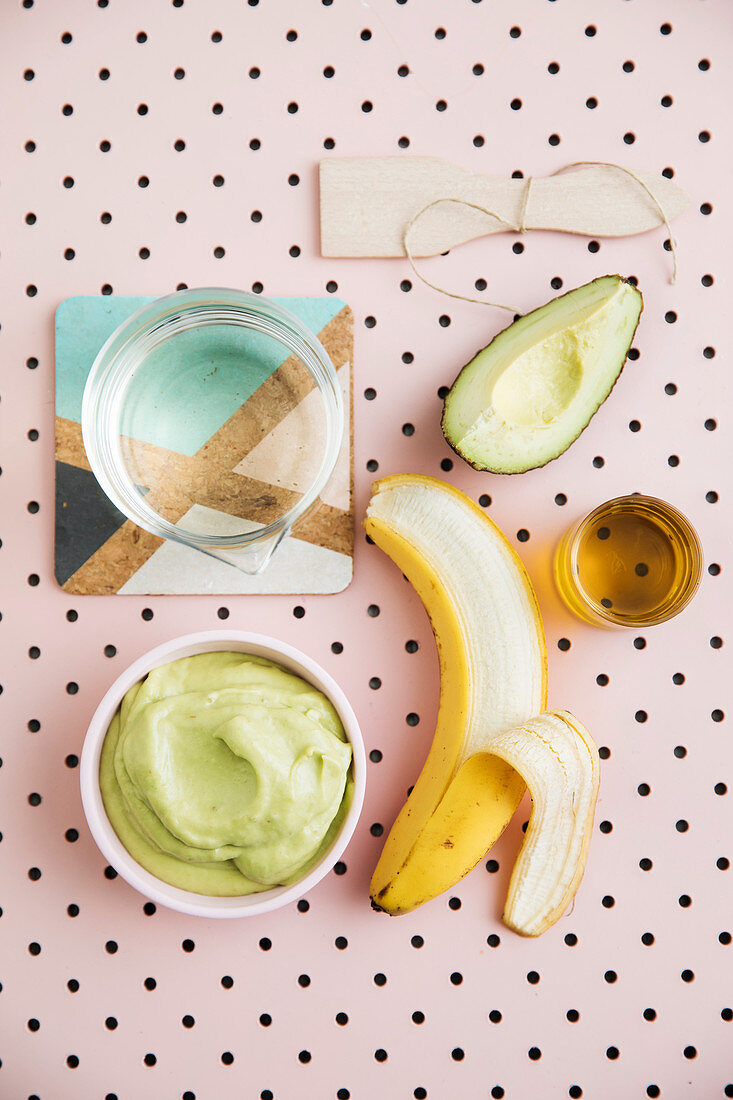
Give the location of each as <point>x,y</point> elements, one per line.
<point>493,667</point>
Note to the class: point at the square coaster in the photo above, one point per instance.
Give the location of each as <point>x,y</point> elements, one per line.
<point>98,551</point>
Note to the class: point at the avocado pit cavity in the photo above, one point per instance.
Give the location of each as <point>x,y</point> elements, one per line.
<point>540,384</point>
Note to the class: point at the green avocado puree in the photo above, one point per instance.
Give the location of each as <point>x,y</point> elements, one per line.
<point>225,774</point>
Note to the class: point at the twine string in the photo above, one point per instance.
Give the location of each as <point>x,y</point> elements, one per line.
<point>441,290</point>
<point>645,187</point>
<point>520,226</point>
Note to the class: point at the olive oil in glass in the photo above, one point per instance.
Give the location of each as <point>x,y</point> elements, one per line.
<point>634,561</point>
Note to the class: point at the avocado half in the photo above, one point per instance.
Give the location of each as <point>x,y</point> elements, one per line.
<point>526,396</point>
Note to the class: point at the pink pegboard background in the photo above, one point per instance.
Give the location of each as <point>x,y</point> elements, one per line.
<point>649,976</point>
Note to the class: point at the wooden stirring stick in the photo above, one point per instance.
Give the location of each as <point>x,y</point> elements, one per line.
<point>368,202</point>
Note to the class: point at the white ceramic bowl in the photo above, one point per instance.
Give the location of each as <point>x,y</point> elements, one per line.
<point>111,847</point>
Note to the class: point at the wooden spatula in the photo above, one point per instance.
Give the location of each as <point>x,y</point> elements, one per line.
<point>367,204</point>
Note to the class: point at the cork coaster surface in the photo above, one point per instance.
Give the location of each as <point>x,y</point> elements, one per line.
<point>214,474</point>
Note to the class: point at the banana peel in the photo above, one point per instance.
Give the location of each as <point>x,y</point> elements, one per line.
<point>493,672</point>
<point>558,760</point>
<point>474,811</point>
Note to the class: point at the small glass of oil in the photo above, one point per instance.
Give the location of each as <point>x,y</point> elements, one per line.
<point>634,561</point>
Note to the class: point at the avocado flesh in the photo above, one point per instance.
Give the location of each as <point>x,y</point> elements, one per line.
<point>524,398</point>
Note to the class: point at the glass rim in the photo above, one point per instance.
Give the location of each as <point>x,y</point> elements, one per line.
<point>684,592</point>
<point>164,317</point>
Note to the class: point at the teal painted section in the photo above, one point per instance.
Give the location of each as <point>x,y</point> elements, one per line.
<point>314,312</point>
<point>190,385</point>
<point>82,326</point>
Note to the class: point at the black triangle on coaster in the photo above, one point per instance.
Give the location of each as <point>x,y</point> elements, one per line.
<point>85,519</point>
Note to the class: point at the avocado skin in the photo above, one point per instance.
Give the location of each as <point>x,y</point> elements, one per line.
<point>525,469</point>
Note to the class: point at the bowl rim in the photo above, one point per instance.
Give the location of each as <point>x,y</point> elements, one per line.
<point>111,847</point>
<point>106,382</point>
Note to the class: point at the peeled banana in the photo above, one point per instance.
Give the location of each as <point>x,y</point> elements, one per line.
<point>493,674</point>
<point>491,735</point>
